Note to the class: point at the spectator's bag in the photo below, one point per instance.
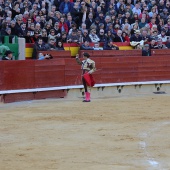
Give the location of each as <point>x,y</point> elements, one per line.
<point>89,79</point>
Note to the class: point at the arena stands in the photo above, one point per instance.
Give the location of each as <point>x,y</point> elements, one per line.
<point>134,21</point>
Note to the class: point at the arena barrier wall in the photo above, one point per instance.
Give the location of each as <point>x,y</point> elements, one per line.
<point>33,79</point>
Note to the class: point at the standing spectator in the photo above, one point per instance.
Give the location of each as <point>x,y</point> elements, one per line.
<point>38,46</point>
<point>89,21</point>
<point>146,50</point>
<point>65,7</point>
<point>62,25</point>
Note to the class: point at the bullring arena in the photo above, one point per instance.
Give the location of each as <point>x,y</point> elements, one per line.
<point>125,132</point>
<point>125,127</point>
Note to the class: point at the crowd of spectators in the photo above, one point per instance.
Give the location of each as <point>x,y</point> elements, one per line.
<point>136,21</point>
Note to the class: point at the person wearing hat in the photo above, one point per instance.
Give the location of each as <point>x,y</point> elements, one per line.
<point>88,67</point>
<point>146,50</point>
<point>8,55</point>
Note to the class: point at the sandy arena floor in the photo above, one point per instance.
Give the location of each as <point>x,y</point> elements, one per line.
<point>121,133</point>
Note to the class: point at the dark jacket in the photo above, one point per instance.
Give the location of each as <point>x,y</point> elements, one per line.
<point>37,48</point>
<point>83,47</point>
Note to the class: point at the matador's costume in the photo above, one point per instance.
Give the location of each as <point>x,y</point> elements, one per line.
<point>88,67</point>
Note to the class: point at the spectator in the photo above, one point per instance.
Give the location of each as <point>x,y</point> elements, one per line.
<point>85,36</point>
<point>73,37</point>
<point>63,37</point>
<point>51,45</point>
<point>8,55</point>
<point>62,25</point>
<point>109,46</point>
<point>65,7</point>
<point>125,36</point>
<point>162,35</point>
<point>136,9</point>
<point>109,36</point>
<point>118,37</point>
<point>136,37</point>
<point>97,46</point>
<point>168,43</point>
<point>52,35</point>
<point>44,36</point>
<point>153,44</point>
<point>155,36</point>
<point>89,21</point>
<point>85,46</point>
<point>101,35</point>
<point>146,50</point>
<point>93,36</point>
<point>38,46</point>
<point>60,45</point>
<point>145,36</point>
<point>160,44</point>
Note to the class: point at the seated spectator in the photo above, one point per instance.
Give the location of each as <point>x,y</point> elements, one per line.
<point>38,46</point>
<point>85,36</point>
<point>44,36</point>
<point>109,46</point>
<point>136,39</point>
<point>35,37</point>
<point>125,36</point>
<point>97,46</point>
<point>142,23</point>
<point>60,45</point>
<point>146,50</point>
<point>93,36</point>
<point>155,36</point>
<point>160,44</point>
<point>8,55</point>
<point>110,36</point>
<point>101,35</point>
<point>167,33</point>
<point>85,46</point>
<point>162,35</point>
<point>145,36</point>
<point>63,37</point>
<point>73,37</point>
<point>153,44</point>
<point>52,35</point>
<point>118,37</point>
<point>51,45</point>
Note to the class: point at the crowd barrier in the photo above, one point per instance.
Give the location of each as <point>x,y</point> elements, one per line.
<point>61,72</point>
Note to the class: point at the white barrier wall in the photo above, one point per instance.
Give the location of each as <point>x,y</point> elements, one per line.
<point>21,50</point>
